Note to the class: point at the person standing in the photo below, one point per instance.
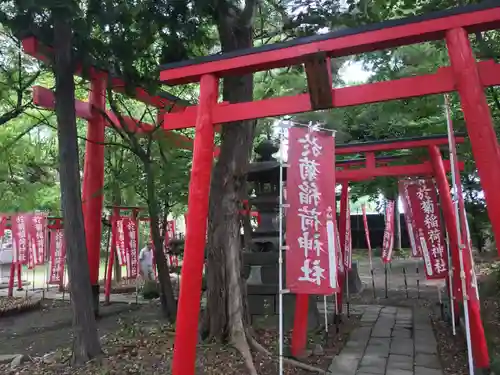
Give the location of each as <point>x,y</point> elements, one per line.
<point>146,261</point>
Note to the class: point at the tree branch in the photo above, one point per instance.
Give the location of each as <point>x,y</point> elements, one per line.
<point>248,12</point>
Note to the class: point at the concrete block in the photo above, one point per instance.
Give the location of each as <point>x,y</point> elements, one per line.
<point>400,362</point>
<point>427,360</point>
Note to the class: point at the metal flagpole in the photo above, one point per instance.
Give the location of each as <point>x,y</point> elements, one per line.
<point>459,233</point>
<point>450,283</point>
<point>326,314</point>
<point>280,256</point>
<point>347,292</point>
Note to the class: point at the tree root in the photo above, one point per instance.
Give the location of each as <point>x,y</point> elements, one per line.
<point>241,344</point>
<point>259,348</point>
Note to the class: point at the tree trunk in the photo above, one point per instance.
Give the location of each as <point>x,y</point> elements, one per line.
<point>397,218</point>
<point>224,319</point>
<point>86,343</point>
<point>168,302</point>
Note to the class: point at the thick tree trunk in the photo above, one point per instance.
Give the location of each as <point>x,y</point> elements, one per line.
<point>397,218</point>
<point>86,343</point>
<point>225,315</point>
<point>168,302</point>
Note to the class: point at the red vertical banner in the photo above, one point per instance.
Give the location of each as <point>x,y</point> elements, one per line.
<point>57,257</point>
<point>388,241</point>
<point>169,233</point>
<point>132,247</point>
<point>39,238</point>
<point>20,232</point>
<point>425,213</point>
<point>311,262</point>
<point>416,248</point>
<point>121,240</point>
<point>348,239</point>
<point>367,232</point>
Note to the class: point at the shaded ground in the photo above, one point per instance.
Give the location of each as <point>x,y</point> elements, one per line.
<point>136,342</point>
<point>420,294</point>
<point>41,331</point>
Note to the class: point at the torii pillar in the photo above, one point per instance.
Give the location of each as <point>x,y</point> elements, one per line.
<point>93,182</point>
<point>478,121</point>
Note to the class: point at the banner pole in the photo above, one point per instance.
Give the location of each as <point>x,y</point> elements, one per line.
<point>461,245</point>
<point>373,283</point>
<point>46,258</point>
<point>326,314</point>
<point>64,282</point>
<point>347,293</point>
<point>367,236</point>
<point>418,282</point>
<point>406,282</point>
<point>337,316</point>
<point>385,275</point>
<point>280,255</point>
<point>450,283</point>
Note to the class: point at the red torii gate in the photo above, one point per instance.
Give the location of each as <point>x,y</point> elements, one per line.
<point>93,171</point>
<point>379,166</point>
<point>465,75</point>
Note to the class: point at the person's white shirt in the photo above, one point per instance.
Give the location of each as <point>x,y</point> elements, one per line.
<point>146,257</point>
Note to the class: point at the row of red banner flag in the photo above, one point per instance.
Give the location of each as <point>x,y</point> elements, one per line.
<point>29,240</point>
<point>30,235</point>
<point>421,212</point>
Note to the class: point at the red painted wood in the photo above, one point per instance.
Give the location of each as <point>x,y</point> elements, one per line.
<point>424,169</point>
<point>484,146</point>
<point>354,148</point>
<point>35,48</point>
<point>93,177</point>
<point>389,37</point>
<point>300,322</point>
<point>436,83</point>
<point>44,98</point>
<point>188,311</point>
<point>344,201</point>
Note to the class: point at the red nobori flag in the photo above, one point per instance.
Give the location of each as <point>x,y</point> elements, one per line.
<point>132,246</point>
<point>416,248</point>
<point>169,234</point>
<point>38,237</point>
<point>57,256</point>
<point>311,236</point>
<point>121,239</point>
<point>21,225</point>
<point>348,239</point>
<point>425,214</point>
<point>388,242</point>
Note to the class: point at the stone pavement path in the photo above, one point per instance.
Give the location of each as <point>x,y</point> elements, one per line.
<point>390,341</point>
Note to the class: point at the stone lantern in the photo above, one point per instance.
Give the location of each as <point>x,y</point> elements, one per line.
<point>260,262</point>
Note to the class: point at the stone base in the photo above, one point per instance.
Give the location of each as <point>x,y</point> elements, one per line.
<point>264,310</point>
